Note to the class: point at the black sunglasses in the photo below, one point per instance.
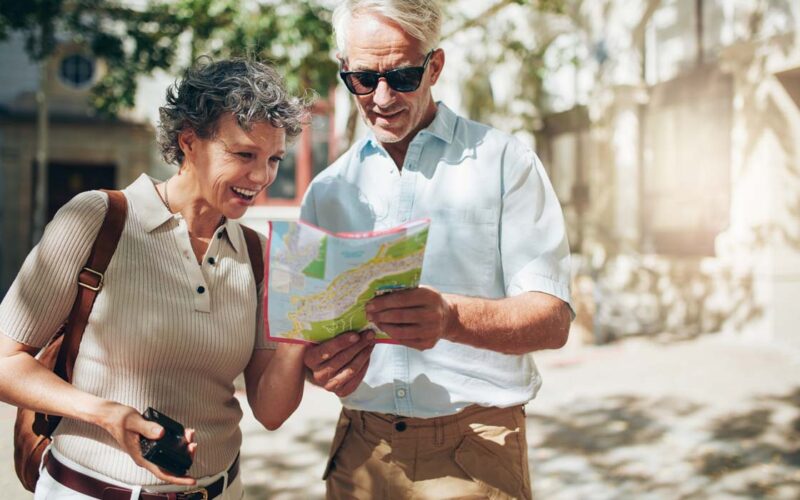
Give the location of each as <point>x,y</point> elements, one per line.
<point>399,79</point>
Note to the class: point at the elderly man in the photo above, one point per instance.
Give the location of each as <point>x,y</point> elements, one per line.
<point>440,414</point>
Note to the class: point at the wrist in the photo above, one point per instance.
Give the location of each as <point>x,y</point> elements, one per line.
<point>291,350</point>
<point>101,413</point>
<point>451,318</point>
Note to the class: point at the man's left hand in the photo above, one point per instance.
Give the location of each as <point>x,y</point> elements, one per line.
<point>415,318</point>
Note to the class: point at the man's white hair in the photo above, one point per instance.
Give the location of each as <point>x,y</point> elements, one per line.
<point>422,19</point>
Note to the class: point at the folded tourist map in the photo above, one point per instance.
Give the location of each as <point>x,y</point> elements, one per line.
<point>319,282</point>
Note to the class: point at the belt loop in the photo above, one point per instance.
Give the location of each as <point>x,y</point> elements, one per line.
<point>363,417</point>
<point>44,456</point>
<point>225,479</point>
<point>438,430</point>
<point>136,492</point>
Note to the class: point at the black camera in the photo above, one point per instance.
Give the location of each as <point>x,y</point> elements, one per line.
<point>171,452</point>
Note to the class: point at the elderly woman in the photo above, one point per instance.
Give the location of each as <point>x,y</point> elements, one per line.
<point>178,318</point>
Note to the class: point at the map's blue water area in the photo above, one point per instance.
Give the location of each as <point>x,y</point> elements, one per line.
<point>286,273</point>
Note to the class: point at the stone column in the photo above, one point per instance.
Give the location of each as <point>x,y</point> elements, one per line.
<point>764,235</point>
<point>626,132</point>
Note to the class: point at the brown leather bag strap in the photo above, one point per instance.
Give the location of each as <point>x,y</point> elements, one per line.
<point>255,252</point>
<point>90,281</point>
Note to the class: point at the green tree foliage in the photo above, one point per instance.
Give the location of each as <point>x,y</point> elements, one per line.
<point>36,19</point>
<point>527,46</point>
<point>136,39</point>
<point>296,35</point>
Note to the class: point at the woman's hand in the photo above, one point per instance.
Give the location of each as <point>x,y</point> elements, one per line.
<point>339,364</point>
<point>126,425</point>
<point>27,383</point>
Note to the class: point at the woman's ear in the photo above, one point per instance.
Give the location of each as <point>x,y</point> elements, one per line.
<point>186,141</point>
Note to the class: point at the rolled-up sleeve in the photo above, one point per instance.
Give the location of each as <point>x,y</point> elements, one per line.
<point>533,238</point>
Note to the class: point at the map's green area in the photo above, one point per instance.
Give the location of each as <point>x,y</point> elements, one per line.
<point>321,282</point>
<point>414,243</point>
<point>355,318</point>
<point>316,269</point>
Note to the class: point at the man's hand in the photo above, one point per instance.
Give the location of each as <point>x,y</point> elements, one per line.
<point>340,364</point>
<point>416,318</point>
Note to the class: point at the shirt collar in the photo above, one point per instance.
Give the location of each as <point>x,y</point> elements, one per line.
<point>233,233</point>
<point>443,127</point>
<point>152,212</point>
<point>146,201</point>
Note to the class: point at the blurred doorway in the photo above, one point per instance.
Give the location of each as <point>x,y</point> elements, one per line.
<point>65,180</point>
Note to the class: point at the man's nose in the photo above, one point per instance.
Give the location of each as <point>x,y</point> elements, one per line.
<point>383,93</point>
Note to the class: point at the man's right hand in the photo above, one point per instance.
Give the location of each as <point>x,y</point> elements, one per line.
<point>340,364</point>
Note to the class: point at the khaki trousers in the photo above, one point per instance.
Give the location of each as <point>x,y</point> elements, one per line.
<point>478,453</point>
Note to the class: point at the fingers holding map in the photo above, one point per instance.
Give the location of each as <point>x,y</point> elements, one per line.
<point>319,282</point>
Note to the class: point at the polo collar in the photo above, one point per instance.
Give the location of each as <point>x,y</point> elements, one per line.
<point>233,233</point>
<point>148,204</point>
<point>152,212</point>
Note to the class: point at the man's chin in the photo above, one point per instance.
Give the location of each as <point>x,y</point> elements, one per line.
<point>386,136</point>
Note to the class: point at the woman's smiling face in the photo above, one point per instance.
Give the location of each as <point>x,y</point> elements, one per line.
<point>234,165</point>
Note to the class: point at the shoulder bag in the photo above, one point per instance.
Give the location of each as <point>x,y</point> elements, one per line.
<point>32,430</point>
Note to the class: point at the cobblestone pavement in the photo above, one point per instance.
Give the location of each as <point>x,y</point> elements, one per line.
<point>713,417</point>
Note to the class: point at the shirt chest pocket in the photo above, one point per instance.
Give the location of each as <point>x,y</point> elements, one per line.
<point>462,247</point>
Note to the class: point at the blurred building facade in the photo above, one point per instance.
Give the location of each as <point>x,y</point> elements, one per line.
<point>87,151</point>
<point>84,151</point>
<point>669,129</point>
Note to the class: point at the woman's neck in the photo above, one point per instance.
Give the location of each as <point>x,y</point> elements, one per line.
<point>182,195</point>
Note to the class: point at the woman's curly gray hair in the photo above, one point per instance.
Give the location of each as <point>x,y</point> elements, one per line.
<point>252,91</point>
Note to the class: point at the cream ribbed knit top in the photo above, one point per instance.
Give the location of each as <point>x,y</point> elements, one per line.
<point>164,332</point>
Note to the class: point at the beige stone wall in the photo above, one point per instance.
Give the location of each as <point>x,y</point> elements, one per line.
<point>764,234</point>
<point>738,180</point>
<point>130,147</point>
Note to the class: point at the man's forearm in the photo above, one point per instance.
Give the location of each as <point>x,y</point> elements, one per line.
<point>515,325</point>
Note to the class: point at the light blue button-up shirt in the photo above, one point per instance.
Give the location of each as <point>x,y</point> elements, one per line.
<point>496,231</point>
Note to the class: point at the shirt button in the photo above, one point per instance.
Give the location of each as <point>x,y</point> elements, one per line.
<point>201,289</point>
<point>211,260</point>
<point>400,426</point>
<point>219,235</point>
<point>401,393</point>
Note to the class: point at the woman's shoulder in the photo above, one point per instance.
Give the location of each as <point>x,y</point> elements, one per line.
<point>88,201</point>
<point>86,209</point>
<point>244,230</point>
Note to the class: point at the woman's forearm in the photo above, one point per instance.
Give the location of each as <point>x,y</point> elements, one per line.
<point>279,390</point>
<point>26,383</point>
